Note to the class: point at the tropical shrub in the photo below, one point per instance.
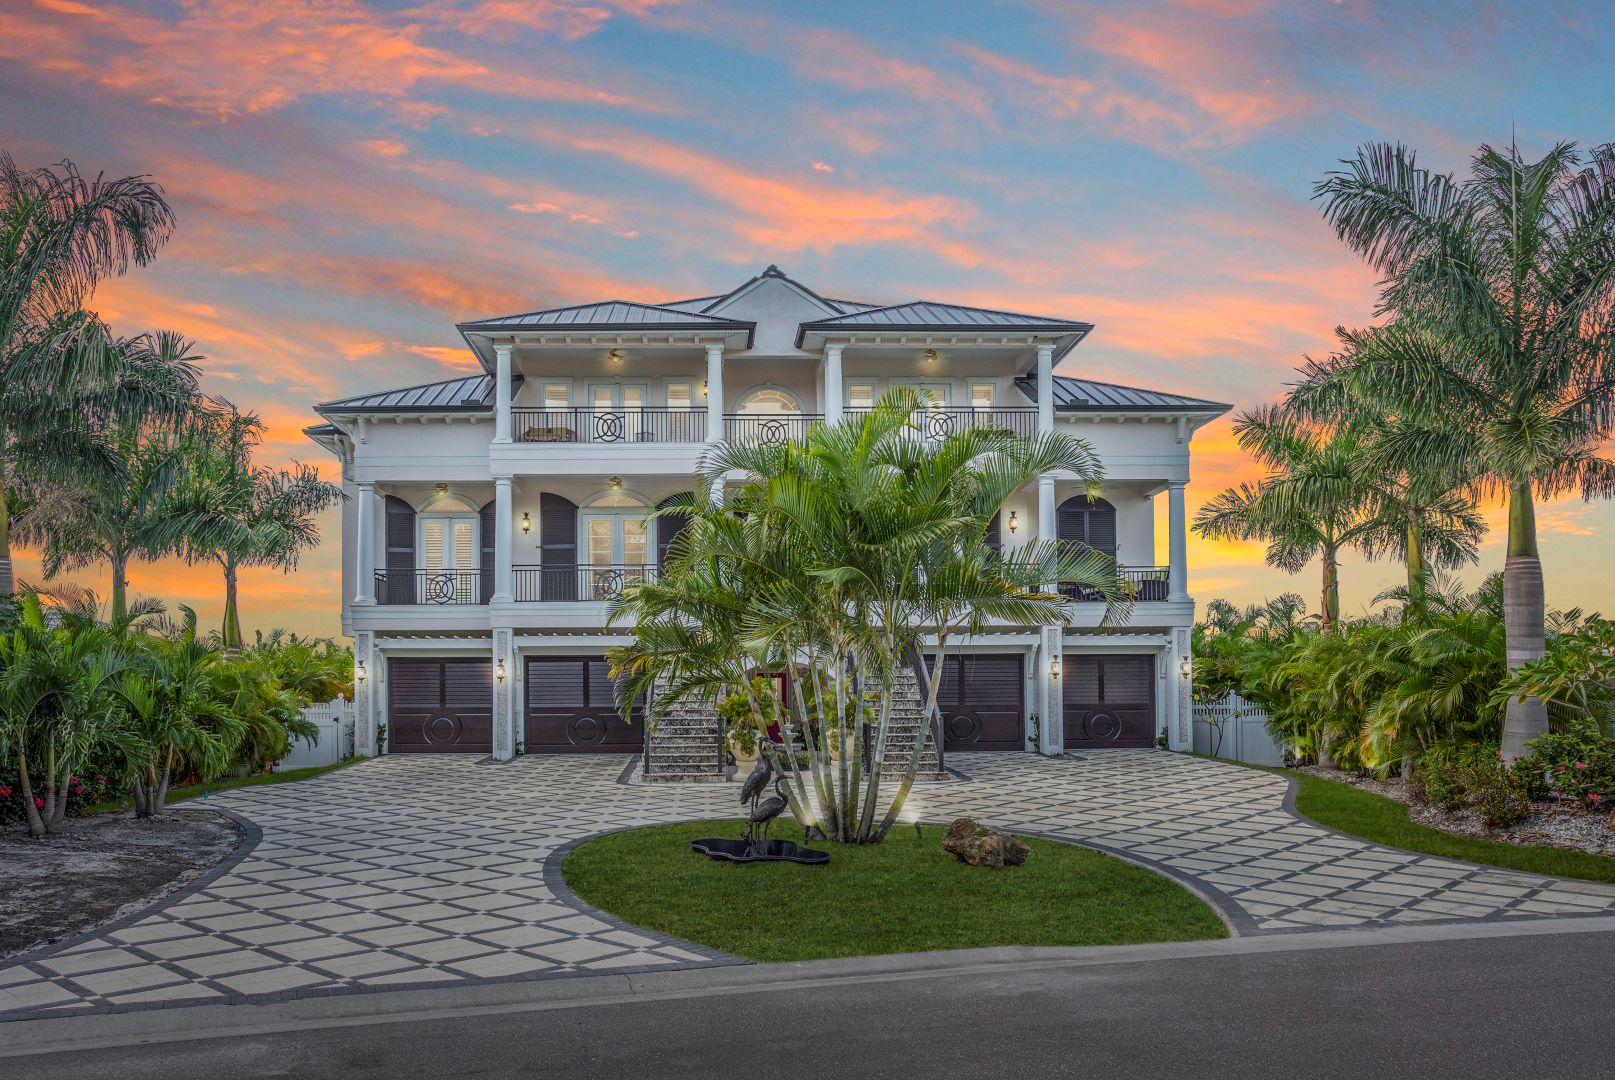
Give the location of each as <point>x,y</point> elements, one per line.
<point>1575,764</point>
<point>1456,775</point>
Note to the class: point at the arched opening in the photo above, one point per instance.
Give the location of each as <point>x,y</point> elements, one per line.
<point>617,543</point>
<point>1092,524</point>
<point>769,401</point>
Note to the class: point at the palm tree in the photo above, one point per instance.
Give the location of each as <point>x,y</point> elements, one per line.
<point>843,558</point>
<point>1316,500</point>
<point>240,514</point>
<point>124,508</point>
<point>60,234</point>
<point>1501,356</point>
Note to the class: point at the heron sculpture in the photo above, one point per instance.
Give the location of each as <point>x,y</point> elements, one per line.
<point>754,845</point>
<point>765,811</point>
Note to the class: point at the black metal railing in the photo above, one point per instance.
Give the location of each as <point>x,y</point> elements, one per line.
<point>431,587</point>
<point>769,429</point>
<point>588,581</point>
<point>939,423</point>
<point>583,425</point>
<point>1147,582</point>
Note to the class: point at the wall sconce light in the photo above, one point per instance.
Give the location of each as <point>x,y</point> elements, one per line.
<point>1185,667</point>
<point>527,523</point>
<point>358,671</point>
<point>929,356</point>
<point>1014,522</point>
<point>1054,669</point>
<point>499,670</point>
<point>703,388</point>
<point>615,483</point>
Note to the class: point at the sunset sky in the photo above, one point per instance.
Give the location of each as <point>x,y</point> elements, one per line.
<point>350,179</point>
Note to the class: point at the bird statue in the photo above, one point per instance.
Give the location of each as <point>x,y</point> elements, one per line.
<point>764,812</point>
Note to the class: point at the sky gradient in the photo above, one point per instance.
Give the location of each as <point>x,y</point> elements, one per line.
<point>350,179</point>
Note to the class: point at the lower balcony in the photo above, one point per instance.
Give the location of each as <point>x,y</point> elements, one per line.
<point>584,582</point>
<point>432,587</point>
<point>1149,583</point>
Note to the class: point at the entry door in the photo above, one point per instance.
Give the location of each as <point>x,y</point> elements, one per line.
<point>450,559</point>
<point>1108,701</point>
<point>616,549</point>
<point>934,419</point>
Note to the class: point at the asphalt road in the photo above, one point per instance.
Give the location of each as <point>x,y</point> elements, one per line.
<point>1538,1005</point>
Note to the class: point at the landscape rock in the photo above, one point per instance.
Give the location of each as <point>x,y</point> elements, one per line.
<point>973,843</point>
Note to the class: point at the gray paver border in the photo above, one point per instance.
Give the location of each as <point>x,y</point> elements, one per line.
<point>251,835</point>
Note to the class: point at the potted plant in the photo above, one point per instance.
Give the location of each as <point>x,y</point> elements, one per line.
<point>740,724</point>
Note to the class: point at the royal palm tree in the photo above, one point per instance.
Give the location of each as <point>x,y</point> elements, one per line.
<point>1316,500</point>
<point>1501,355</point>
<point>240,514</point>
<point>60,234</point>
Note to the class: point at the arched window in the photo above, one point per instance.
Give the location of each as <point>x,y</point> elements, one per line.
<point>616,542</point>
<point>1091,522</point>
<point>769,401</point>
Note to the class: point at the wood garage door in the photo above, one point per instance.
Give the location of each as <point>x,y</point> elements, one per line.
<point>571,709</point>
<point>1108,701</point>
<point>440,706</point>
<point>982,699</point>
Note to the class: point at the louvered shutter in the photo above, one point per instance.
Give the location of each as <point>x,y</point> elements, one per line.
<point>1092,523</point>
<point>487,528</point>
<point>399,587</point>
<point>558,547</point>
<point>668,528</point>
<point>995,532</point>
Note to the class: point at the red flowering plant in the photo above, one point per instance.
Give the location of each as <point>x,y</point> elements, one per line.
<point>1577,764</point>
<point>82,793</point>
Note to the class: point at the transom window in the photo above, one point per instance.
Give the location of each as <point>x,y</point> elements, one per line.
<point>768,401</point>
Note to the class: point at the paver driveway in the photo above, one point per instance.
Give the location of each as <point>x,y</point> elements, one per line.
<point>417,870</point>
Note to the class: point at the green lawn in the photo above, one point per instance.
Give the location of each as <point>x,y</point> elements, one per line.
<point>900,896</point>
<point>228,783</point>
<point>1352,810</point>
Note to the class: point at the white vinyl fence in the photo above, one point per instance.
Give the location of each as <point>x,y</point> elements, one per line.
<point>1234,729</point>
<point>334,720</point>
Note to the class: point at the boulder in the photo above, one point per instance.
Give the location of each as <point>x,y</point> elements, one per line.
<point>977,845</point>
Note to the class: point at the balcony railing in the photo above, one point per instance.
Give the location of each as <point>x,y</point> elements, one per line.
<point>436,587</point>
<point>588,581</point>
<point>645,425</point>
<point>1149,583</point>
<point>768,429</point>
<point>940,423</point>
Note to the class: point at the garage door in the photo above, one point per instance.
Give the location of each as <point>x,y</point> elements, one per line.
<point>1108,701</point>
<point>981,698</point>
<point>571,709</point>
<point>440,706</point>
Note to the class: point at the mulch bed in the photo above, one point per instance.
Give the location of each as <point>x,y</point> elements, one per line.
<point>1550,824</point>
<point>100,868</point>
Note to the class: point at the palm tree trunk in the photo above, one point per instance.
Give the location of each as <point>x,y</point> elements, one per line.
<point>8,581</point>
<point>1523,619</point>
<point>232,613</point>
<point>1331,587</point>
<point>120,599</point>
<point>48,815</point>
<point>36,824</point>
<point>1418,573</point>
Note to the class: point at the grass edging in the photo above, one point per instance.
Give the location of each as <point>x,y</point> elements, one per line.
<point>229,783</point>
<point>1346,808</point>
<point>897,897</point>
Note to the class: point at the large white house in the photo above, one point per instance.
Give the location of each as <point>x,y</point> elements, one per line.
<point>490,518</point>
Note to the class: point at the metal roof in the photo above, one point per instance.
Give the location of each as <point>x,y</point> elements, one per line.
<point>929,314</point>
<point>1090,395</point>
<point>471,393</point>
<point>607,315</point>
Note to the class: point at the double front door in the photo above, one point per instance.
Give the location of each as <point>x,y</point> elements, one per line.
<point>616,551</point>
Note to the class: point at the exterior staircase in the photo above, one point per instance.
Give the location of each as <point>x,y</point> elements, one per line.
<point>907,724</point>
<point>685,746</point>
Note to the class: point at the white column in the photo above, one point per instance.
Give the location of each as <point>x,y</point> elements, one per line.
<point>365,675</point>
<point>504,696</point>
<point>832,383</point>
<point>364,542</point>
<point>1045,387</point>
<point>1177,543</point>
<point>1047,523</point>
<point>502,526</point>
<point>1051,732</point>
<point>1180,736</point>
<point>502,377</point>
<point>715,393</point>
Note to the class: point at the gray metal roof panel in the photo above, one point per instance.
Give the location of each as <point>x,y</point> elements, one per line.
<point>472,392</point>
<point>930,313</point>
<point>1090,395</point>
<point>613,314</point>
